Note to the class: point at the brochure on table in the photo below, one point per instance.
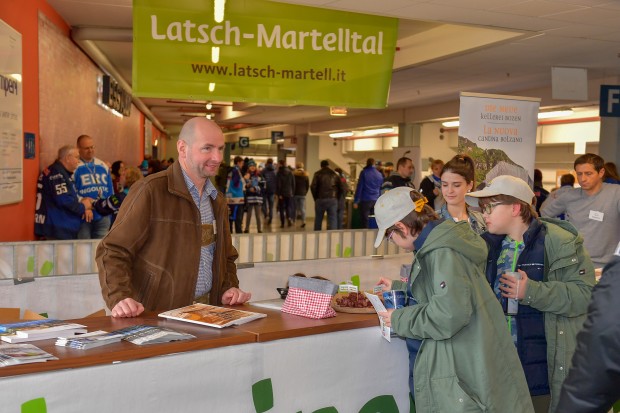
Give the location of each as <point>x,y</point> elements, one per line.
<point>212,316</point>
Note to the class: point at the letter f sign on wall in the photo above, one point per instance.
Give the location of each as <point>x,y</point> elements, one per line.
<point>610,101</point>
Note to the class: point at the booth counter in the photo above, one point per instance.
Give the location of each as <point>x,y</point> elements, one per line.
<point>281,363</point>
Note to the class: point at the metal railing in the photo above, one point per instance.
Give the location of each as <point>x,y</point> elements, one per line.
<point>22,261</point>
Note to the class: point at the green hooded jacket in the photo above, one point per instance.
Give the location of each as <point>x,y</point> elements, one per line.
<point>467,361</point>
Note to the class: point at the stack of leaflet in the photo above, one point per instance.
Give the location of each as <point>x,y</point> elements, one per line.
<point>143,334</point>
<point>12,354</point>
<point>39,330</point>
<point>89,340</point>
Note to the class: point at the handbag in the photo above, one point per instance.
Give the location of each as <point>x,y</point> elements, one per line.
<point>309,297</point>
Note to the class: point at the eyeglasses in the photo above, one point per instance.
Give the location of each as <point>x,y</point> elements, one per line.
<point>389,236</point>
<point>88,148</point>
<point>488,208</point>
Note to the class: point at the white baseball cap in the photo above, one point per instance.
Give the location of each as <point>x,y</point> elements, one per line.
<point>390,208</point>
<point>503,185</point>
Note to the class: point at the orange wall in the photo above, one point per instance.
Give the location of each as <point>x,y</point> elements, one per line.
<point>59,105</point>
<point>17,220</point>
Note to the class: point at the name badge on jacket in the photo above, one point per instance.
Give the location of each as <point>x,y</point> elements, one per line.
<point>596,215</point>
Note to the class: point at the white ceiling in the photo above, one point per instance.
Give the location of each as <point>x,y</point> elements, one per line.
<point>496,47</point>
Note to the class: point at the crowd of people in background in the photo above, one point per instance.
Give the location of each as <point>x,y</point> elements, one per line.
<point>79,195</point>
<point>499,287</point>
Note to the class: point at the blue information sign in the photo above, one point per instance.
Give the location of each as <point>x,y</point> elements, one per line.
<point>610,101</point>
<point>276,136</point>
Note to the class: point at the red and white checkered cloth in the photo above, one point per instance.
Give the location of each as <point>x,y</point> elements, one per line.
<point>308,304</point>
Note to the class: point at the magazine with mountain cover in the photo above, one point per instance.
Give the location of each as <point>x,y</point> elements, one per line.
<point>143,334</point>
<point>13,354</point>
<point>212,316</point>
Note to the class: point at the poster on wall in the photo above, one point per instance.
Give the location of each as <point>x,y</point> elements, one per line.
<point>499,133</point>
<point>11,116</point>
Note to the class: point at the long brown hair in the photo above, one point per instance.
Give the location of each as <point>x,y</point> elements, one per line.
<point>461,165</point>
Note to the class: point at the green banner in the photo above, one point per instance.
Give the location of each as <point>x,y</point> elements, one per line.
<point>261,51</point>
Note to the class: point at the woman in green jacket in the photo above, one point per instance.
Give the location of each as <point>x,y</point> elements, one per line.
<point>466,361</point>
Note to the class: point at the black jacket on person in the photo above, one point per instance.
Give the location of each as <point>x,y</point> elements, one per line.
<point>326,184</point>
<point>271,182</point>
<point>285,182</point>
<point>593,382</point>
<point>302,182</point>
<point>395,181</point>
<point>426,188</point>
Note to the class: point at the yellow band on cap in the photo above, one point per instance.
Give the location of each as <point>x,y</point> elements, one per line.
<point>419,204</point>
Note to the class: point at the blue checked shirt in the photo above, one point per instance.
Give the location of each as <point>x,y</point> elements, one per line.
<point>205,268</point>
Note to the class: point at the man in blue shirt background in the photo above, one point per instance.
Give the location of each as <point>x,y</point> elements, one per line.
<point>92,180</point>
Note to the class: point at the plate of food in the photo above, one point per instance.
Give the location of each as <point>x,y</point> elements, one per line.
<point>352,303</point>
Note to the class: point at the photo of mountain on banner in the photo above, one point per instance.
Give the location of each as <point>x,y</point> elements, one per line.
<point>212,316</point>
<point>499,133</point>
<point>491,163</point>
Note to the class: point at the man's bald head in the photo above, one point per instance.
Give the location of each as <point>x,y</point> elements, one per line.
<point>198,126</point>
<point>201,149</point>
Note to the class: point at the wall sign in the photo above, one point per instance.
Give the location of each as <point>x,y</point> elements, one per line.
<point>610,101</point>
<point>261,51</point>
<point>244,142</point>
<point>11,116</point>
<point>114,96</point>
<point>276,136</point>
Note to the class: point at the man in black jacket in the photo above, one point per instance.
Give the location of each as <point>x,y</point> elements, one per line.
<point>401,177</point>
<point>326,187</point>
<point>271,183</point>
<point>592,382</point>
<point>285,190</point>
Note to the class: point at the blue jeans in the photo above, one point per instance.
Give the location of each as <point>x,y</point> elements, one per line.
<point>322,205</point>
<point>300,207</point>
<point>268,206</point>
<point>94,229</point>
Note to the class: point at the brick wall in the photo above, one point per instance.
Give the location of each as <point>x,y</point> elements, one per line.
<point>68,103</point>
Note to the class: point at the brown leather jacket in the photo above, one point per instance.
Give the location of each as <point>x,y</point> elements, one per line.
<point>152,252</point>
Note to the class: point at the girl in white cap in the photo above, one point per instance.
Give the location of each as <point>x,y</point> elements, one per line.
<point>461,356</point>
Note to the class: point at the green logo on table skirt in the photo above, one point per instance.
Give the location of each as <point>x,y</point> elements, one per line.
<point>262,395</point>
<point>34,406</point>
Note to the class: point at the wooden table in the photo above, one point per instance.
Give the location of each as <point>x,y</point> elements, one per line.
<point>278,325</point>
<point>288,362</point>
<point>206,338</point>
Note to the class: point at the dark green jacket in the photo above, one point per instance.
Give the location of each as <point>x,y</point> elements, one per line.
<point>467,361</point>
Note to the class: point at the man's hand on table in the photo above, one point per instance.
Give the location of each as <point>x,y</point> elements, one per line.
<point>127,308</point>
<point>234,296</point>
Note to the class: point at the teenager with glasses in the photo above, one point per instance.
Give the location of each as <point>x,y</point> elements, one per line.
<point>556,279</point>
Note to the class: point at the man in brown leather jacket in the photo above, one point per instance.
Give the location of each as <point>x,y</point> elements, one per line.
<point>170,244</point>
